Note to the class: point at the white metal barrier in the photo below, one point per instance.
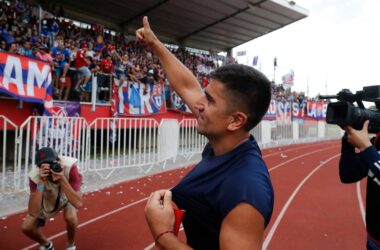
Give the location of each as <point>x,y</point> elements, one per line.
<point>331,131</point>
<point>121,143</point>
<point>8,155</point>
<point>281,131</point>
<point>190,142</point>
<point>168,140</point>
<point>108,144</point>
<point>67,135</point>
<point>257,133</point>
<point>308,129</point>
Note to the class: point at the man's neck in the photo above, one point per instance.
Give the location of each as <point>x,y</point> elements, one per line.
<point>227,143</point>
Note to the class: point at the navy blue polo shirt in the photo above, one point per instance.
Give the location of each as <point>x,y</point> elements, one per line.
<point>216,185</point>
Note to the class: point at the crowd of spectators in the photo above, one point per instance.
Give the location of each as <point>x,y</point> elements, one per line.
<point>282,94</point>
<point>76,53</point>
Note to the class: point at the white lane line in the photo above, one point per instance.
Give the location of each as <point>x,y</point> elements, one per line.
<point>139,201</point>
<point>360,200</point>
<point>287,204</point>
<point>92,220</point>
<point>151,246</point>
<point>291,149</point>
<point>300,156</point>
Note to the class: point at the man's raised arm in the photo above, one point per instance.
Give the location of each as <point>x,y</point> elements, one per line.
<point>180,77</point>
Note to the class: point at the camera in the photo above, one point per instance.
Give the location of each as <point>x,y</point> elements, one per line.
<point>56,167</point>
<point>345,113</point>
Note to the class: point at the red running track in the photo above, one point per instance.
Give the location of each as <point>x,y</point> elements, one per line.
<point>313,210</point>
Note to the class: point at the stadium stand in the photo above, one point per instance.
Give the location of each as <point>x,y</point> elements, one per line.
<point>60,41</point>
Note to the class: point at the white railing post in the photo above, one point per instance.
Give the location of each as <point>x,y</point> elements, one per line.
<point>266,132</point>
<point>296,131</point>
<point>94,91</point>
<point>168,139</point>
<point>321,129</point>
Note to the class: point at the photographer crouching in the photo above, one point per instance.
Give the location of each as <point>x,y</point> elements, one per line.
<point>355,166</point>
<point>54,185</point>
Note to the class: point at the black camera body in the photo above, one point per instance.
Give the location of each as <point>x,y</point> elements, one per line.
<point>56,167</point>
<point>344,113</point>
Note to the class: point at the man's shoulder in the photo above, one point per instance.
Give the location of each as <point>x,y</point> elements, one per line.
<point>34,175</point>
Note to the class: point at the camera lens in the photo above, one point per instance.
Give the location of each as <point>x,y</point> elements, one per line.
<point>56,167</point>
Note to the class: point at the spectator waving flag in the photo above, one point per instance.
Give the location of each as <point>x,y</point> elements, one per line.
<point>288,79</point>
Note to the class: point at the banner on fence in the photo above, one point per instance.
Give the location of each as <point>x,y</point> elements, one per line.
<point>63,109</point>
<point>176,102</point>
<point>271,112</point>
<point>299,110</point>
<point>26,78</point>
<point>316,110</point>
<point>132,98</point>
<point>284,112</point>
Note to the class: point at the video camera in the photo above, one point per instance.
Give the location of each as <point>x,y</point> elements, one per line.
<point>345,113</point>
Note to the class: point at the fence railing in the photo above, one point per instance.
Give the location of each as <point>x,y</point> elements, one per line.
<point>109,144</point>
<point>121,143</point>
<point>9,171</point>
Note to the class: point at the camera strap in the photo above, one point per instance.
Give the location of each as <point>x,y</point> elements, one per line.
<point>56,202</point>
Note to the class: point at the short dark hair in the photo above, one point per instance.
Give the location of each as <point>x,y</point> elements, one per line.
<point>248,90</point>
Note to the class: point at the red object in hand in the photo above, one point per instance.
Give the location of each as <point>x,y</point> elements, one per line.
<point>178,213</point>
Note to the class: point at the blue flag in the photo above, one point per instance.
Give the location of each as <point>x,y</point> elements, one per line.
<point>255,60</point>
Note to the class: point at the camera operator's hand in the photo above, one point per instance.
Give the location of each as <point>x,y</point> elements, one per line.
<point>44,171</point>
<point>57,176</point>
<point>359,138</point>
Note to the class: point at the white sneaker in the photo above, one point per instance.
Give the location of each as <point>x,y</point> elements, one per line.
<point>48,247</point>
<point>76,89</point>
<point>73,247</point>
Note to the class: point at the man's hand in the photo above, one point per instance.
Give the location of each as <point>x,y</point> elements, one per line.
<point>145,35</point>
<point>159,212</point>
<point>359,138</point>
<point>44,171</point>
<point>58,176</point>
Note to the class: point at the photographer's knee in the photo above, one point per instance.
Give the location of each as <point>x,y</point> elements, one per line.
<point>28,224</point>
<point>71,217</point>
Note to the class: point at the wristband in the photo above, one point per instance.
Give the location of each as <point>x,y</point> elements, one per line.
<point>163,233</point>
<point>40,187</point>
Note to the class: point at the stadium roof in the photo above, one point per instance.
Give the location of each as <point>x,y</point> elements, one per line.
<point>217,24</point>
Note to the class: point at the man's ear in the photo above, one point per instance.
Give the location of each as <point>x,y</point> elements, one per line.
<point>238,120</point>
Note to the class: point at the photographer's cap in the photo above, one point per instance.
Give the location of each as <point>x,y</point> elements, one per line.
<point>45,155</point>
